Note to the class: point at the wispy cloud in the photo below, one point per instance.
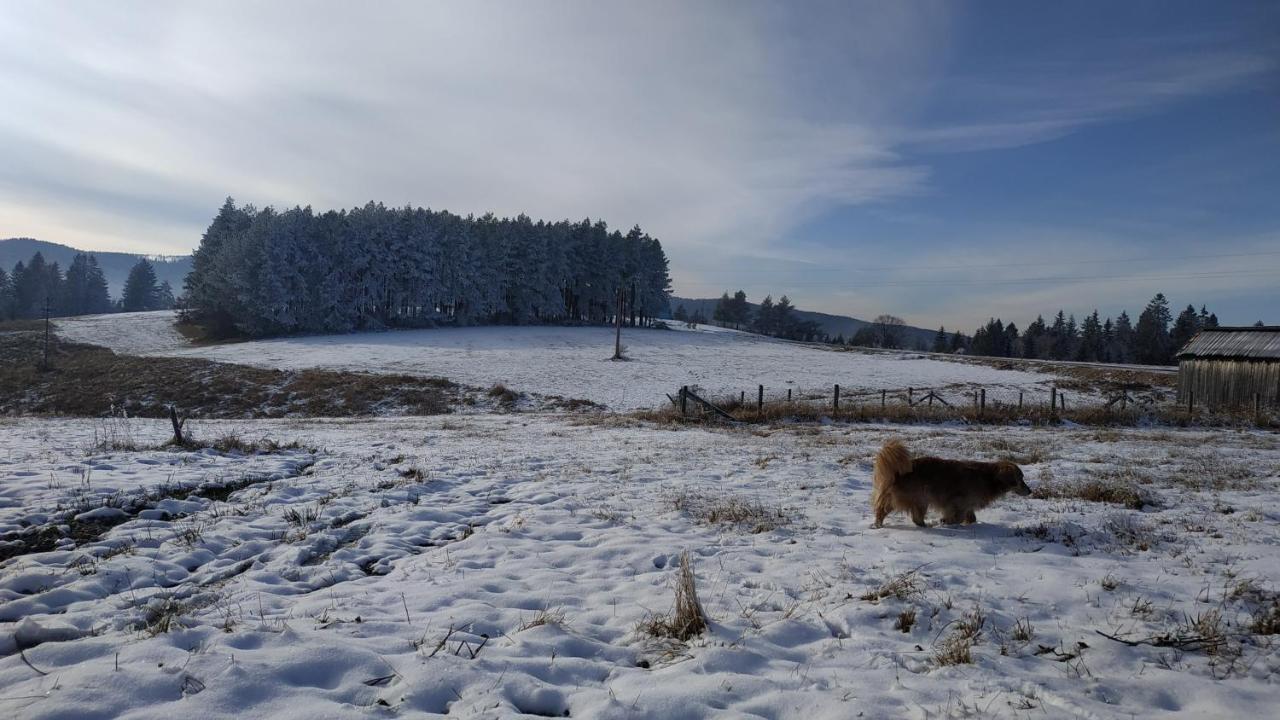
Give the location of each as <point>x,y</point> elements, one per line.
<point>678,117</point>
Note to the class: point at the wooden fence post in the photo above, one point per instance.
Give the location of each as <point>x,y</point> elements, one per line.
<point>911,392</point>
<point>982,407</point>
<point>835,400</point>
<point>1019,399</point>
<point>883,395</point>
<point>1053,401</point>
<point>760,401</point>
<point>684,400</point>
<point>788,394</point>
<point>742,397</point>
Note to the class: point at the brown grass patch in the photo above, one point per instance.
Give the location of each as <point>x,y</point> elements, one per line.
<point>753,516</point>
<point>87,380</point>
<point>1099,490</point>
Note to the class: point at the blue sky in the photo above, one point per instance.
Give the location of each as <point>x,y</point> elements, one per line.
<point>942,161</point>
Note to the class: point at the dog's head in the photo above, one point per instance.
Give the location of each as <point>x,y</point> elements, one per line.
<point>1011,475</point>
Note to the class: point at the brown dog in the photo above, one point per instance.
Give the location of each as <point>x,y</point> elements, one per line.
<point>957,488</point>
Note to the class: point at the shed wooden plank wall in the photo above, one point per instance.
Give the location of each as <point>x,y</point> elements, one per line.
<point>1229,383</point>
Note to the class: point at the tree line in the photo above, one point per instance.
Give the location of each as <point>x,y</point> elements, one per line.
<point>770,318</point>
<point>35,287</point>
<point>266,272</point>
<point>1154,340</point>
<point>778,319</point>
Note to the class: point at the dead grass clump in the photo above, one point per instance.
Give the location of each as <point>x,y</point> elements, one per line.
<point>1265,620</point>
<point>1023,631</point>
<point>303,517</point>
<point>753,516</point>
<point>687,618</point>
<point>1131,532</point>
<point>905,620</point>
<point>903,586</point>
<point>543,617</point>
<point>163,615</point>
<point>1097,490</point>
<point>504,395</point>
<point>956,648</point>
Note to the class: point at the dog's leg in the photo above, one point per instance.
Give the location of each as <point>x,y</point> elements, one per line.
<point>917,514</point>
<point>970,518</point>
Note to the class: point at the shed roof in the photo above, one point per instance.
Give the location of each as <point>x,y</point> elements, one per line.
<point>1252,343</point>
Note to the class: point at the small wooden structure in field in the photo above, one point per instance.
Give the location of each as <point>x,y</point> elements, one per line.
<point>1231,367</point>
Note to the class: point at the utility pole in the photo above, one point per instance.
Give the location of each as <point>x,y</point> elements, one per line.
<point>617,329</point>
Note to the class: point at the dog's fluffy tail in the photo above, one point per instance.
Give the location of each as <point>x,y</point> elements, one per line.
<point>892,461</point>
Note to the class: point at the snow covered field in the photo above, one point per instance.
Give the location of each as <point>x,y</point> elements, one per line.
<point>499,565</point>
<point>569,362</point>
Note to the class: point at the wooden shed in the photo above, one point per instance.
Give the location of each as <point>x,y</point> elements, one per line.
<point>1228,366</point>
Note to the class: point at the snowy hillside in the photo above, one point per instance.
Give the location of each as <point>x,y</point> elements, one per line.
<point>506,566</point>
<point>571,362</point>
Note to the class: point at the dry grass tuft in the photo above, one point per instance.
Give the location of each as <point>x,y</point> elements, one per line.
<point>754,516</point>
<point>687,619</point>
<point>543,617</point>
<point>504,395</point>
<point>903,586</point>
<point>956,648</point>
<point>905,620</point>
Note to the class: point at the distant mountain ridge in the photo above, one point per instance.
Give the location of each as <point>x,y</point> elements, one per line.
<point>833,325</point>
<point>115,266</point>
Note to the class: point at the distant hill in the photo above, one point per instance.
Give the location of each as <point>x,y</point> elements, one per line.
<point>833,325</point>
<point>114,265</point>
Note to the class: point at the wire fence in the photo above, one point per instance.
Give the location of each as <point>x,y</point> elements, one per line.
<point>980,403</point>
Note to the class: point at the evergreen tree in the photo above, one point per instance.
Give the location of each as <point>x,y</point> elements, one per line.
<point>6,296</point>
<point>1123,349</point>
<point>940,340</point>
<point>140,290</point>
<point>1011,341</point>
<point>164,297</point>
<point>724,311</point>
<point>739,310</point>
<point>783,319</point>
<point>84,289</point>
<point>1151,336</point>
<point>1090,348</point>
<point>1060,342</point>
<point>764,316</point>
<point>1184,328</point>
<point>36,286</point>
<point>1033,340</point>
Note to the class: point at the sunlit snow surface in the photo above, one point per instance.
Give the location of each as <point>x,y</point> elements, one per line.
<point>573,362</point>
<point>477,524</point>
